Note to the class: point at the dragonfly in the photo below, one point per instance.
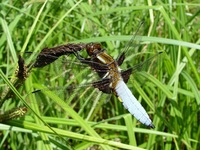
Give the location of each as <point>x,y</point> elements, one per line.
<point>113,79</point>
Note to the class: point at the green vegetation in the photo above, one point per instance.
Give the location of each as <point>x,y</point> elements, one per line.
<point>61,116</point>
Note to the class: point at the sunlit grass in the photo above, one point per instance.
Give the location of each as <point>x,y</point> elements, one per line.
<point>83,117</point>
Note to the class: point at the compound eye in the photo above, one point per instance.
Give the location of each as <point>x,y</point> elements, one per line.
<point>97,46</point>
<point>93,48</point>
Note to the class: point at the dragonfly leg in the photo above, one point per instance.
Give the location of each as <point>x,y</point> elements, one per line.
<point>88,61</point>
<point>82,59</point>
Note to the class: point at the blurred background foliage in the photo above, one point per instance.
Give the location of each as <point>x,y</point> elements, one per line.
<point>68,113</point>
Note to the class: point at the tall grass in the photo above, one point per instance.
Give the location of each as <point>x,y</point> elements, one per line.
<point>83,117</point>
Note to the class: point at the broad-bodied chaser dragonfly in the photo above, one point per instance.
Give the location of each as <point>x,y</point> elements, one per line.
<point>113,79</point>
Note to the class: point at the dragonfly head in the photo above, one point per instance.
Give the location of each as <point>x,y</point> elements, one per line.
<point>93,48</point>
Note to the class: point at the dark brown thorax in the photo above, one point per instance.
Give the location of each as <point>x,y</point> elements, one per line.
<point>99,55</point>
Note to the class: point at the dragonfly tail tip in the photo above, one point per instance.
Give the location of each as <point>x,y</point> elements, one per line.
<point>152,126</point>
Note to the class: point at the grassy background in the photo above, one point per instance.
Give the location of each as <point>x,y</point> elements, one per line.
<point>84,118</point>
